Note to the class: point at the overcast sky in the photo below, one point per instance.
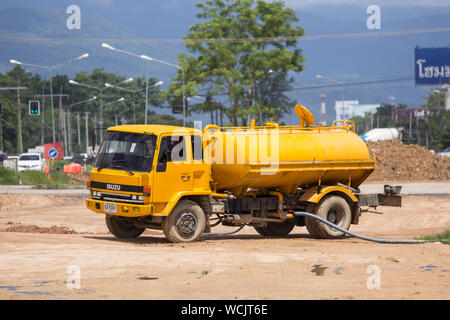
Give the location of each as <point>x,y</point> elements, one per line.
<point>305,3</point>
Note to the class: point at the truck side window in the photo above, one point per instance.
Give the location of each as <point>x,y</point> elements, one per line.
<point>197,148</point>
<point>173,148</point>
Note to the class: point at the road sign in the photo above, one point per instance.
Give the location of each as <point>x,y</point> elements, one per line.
<point>432,65</point>
<point>53,153</point>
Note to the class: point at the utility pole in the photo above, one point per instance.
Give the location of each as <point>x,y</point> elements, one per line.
<point>61,119</point>
<point>86,117</point>
<point>1,129</point>
<point>410,125</point>
<point>78,128</point>
<point>42,119</point>
<point>19,137</point>
<point>19,119</point>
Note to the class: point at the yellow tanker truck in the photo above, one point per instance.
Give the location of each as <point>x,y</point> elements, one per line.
<point>185,181</point>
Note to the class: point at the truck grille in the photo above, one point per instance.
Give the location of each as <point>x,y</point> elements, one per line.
<point>116,197</point>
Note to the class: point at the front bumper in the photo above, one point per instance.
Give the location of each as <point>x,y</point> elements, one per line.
<point>123,209</point>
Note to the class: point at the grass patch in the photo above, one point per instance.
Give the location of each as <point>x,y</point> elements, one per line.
<point>8,177</point>
<point>33,178</point>
<point>441,237</point>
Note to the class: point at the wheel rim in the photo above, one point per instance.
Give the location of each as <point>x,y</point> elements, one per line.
<point>335,215</point>
<point>186,223</point>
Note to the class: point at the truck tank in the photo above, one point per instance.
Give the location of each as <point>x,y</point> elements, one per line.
<point>287,157</point>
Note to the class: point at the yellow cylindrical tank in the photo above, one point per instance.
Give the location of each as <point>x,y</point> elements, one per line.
<point>286,158</point>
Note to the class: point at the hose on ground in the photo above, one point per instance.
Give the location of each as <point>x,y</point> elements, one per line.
<point>397,241</point>
<point>223,233</point>
<point>332,225</point>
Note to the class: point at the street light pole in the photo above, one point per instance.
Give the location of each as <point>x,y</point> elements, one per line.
<point>50,71</point>
<point>259,95</point>
<point>73,82</point>
<point>142,57</point>
<point>182,71</point>
<point>69,109</point>
<point>134,94</point>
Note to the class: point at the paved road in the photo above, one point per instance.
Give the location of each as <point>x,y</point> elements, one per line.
<point>408,188</point>
<point>31,190</point>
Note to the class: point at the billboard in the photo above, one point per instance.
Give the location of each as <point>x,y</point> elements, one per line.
<point>432,65</point>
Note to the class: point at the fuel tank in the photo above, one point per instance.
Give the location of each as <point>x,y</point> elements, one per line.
<point>287,157</point>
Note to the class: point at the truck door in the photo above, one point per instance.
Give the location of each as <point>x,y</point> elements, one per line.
<point>174,169</point>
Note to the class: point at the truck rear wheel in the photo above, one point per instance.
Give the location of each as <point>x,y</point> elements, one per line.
<point>334,209</point>
<point>121,228</point>
<point>276,229</point>
<point>185,223</point>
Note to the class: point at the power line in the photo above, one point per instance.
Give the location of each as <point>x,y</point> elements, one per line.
<point>224,40</point>
<point>346,84</point>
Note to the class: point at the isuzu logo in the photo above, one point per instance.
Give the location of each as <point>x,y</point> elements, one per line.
<point>113,187</point>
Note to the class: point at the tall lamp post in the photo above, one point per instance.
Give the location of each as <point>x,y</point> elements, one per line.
<point>259,95</point>
<point>109,47</point>
<point>134,94</point>
<point>147,58</point>
<point>319,76</point>
<point>68,116</point>
<point>50,71</point>
<point>101,95</point>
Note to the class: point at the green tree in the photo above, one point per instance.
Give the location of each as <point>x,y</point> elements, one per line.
<point>233,50</point>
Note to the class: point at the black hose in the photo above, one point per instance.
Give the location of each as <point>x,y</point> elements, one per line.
<point>309,215</point>
<point>223,233</point>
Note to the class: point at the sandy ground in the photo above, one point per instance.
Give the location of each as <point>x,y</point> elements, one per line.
<point>240,266</point>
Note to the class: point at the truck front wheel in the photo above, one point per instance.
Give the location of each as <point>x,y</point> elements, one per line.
<point>122,228</point>
<point>185,223</point>
<point>334,209</point>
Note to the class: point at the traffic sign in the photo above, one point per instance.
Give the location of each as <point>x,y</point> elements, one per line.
<point>53,153</point>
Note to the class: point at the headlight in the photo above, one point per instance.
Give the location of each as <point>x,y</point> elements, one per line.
<point>134,197</point>
<point>141,198</point>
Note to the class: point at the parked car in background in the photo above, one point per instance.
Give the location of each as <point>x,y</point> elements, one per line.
<point>30,161</point>
<point>445,153</point>
<point>3,157</point>
<point>83,158</point>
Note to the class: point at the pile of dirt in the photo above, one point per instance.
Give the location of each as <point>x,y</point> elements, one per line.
<point>79,178</point>
<point>398,162</point>
<point>14,201</point>
<point>36,229</point>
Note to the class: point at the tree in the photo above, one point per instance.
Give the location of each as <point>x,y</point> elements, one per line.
<point>234,49</point>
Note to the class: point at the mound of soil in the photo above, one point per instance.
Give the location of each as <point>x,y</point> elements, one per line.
<point>396,161</point>
<point>13,201</point>
<point>36,229</point>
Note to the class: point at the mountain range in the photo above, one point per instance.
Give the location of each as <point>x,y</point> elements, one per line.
<point>36,32</point>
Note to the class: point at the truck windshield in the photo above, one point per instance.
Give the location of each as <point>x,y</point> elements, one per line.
<point>132,151</point>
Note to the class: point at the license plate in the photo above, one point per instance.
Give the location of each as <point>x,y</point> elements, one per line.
<point>110,207</point>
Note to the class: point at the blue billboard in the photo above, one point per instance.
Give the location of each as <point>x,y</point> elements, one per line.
<point>432,65</point>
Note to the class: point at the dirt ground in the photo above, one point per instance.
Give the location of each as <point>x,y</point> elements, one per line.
<point>53,238</point>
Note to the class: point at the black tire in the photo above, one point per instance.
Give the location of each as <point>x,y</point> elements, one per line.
<point>121,228</point>
<point>186,222</point>
<point>334,209</point>
<point>276,229</point>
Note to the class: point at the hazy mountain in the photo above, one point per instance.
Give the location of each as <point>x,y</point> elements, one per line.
<point>344,59</point>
